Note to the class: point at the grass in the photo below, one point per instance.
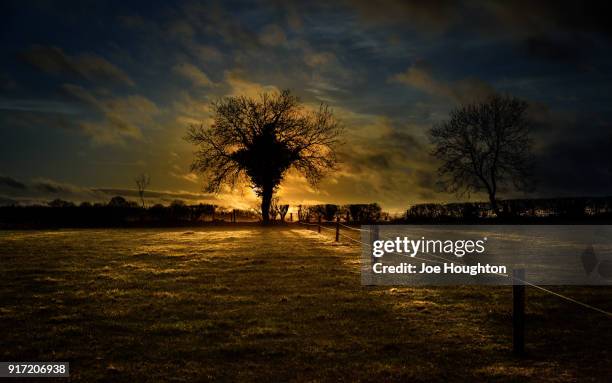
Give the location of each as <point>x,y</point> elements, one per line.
<point>270,304</point>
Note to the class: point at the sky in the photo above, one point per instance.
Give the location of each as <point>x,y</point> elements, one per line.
<point>92,93</point>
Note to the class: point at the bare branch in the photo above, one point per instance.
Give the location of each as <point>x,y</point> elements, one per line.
<point>484,146</point>
<point>261,139</point>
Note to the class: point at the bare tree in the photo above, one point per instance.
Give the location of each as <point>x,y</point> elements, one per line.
<point>485,146</point>
<point>142,182</point>
<point>259,140</point>
<point>282,210</point>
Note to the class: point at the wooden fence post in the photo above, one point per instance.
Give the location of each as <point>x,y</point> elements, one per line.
<point>319,225</point>
<point>374,235</point>
<point>518,312</point>
<point>337,229</point>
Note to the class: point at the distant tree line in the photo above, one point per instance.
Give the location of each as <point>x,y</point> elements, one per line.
<point>352,213</point>
<point>545,209</point>
<point>117,212</point>
<point>121,212</point>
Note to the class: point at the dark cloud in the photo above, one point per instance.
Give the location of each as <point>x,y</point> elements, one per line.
<point>44,106</point>
<point>574,50</point>
<point>522,17</point>
<point>11,183</point>
<point>52,187</point>
<point>434,15</point>
<point>217,21</point>
<point>38,119</point>
<point>550,49</point>
<point>428,180</point>
<point>113,129</point>
<point>404,141</point>
<point>163,196</point>
<point>379,161</point>
<point>53,60</point>
<point>421,77</point>
<point>7,83</point>
<point>42,190</point>
<point>121,117</point>
<point>581,166</point>
<point>550,16</point>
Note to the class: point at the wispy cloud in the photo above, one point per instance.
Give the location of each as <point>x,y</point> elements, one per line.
<point>193,74</point>
<point>43,106</point>
<point>272,35</point>
<point>419,76</point>
<point>11,183</point>
<point>122,117</point>
<point>92,67</point>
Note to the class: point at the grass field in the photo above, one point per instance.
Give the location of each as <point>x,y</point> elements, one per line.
<point>270,304</point>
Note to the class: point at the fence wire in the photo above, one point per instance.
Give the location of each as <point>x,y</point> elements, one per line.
<point>556,294</point>
<point>352,228</point>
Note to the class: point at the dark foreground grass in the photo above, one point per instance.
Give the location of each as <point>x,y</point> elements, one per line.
<point>275,304</point>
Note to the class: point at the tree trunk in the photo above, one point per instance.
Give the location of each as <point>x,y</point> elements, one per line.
<point>266,201</point>
<point>494,206</point>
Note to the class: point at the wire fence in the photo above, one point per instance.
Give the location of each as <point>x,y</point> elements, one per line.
<point>339,235</point>
<point>518,289</point>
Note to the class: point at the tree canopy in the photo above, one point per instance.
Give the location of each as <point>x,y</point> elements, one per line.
<point>259,140</point>
<point>483,146</point>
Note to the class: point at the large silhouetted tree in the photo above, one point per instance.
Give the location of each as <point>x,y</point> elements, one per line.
<point>484,146</point>
<point>259,140</point>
